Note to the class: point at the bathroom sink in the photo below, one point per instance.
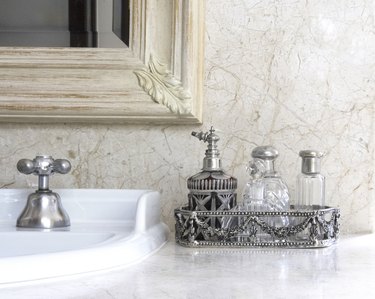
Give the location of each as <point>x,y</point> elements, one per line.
<point>109,229</point>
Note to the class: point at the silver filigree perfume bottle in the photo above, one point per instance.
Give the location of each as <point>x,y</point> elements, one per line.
<point>211,189</point>
<point>265,191</point>
<point>310,183</point>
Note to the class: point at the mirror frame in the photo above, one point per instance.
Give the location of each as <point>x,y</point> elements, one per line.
<point>157,80</point>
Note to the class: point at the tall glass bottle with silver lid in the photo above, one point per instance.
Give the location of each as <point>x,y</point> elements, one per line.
<point>265,191</point>
<point>310,182</point>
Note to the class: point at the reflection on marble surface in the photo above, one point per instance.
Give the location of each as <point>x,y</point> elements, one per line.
<point>342,271</point>
<point>294,74</point>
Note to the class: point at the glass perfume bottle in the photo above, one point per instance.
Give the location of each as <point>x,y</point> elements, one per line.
<point>266,191</point>
<point>265,183</point>
<point>253,199</point>
<point>310,183</point>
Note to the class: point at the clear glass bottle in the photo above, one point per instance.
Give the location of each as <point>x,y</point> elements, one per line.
<point>310,183</point>
<point>266,191</point>
<point>254,189</point>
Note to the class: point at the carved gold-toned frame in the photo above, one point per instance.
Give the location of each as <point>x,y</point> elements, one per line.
<point>158,79</point>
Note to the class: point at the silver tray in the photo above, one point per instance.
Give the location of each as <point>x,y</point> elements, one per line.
<point>309,227</point>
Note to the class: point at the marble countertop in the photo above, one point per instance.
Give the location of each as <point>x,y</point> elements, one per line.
<point>346,270</point>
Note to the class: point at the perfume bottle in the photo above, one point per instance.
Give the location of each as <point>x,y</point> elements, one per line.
<point>266,191</point>
<point>253,193</point>
<point>211,189</point>
<point>310,183</point>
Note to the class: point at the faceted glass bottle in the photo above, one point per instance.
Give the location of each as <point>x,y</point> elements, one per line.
<point>266,191</point>
<point>253,193</point>
<point>310,183</point>
<point>275,193</point>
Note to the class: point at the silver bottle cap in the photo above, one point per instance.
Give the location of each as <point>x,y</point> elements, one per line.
<point>265,152</point>
<point>211,161</point>
<point>310,161</point>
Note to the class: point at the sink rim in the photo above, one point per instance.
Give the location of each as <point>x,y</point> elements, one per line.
<point>87,239</point>
<point>145,234</point>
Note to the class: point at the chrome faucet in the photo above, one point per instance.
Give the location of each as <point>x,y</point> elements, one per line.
<point>43,209</point>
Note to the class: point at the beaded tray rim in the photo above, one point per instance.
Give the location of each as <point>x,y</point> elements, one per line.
<point>316,211</point>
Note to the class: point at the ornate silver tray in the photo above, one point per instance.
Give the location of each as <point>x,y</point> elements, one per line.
<point>309,227</point>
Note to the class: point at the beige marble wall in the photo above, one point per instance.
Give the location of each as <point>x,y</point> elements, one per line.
<point>295,74</point>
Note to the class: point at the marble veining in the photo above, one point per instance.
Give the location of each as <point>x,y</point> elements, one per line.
<point>345,270</point>
<point>294,74</point>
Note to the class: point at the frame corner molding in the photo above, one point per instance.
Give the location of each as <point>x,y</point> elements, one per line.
<point>157,80</point>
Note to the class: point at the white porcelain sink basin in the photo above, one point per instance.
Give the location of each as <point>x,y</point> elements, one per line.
<point>109,229</point>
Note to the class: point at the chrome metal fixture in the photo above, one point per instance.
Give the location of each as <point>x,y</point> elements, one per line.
<point>43,209</point>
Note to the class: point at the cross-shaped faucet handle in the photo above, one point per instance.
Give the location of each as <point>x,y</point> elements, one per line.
<point>43,166</point>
